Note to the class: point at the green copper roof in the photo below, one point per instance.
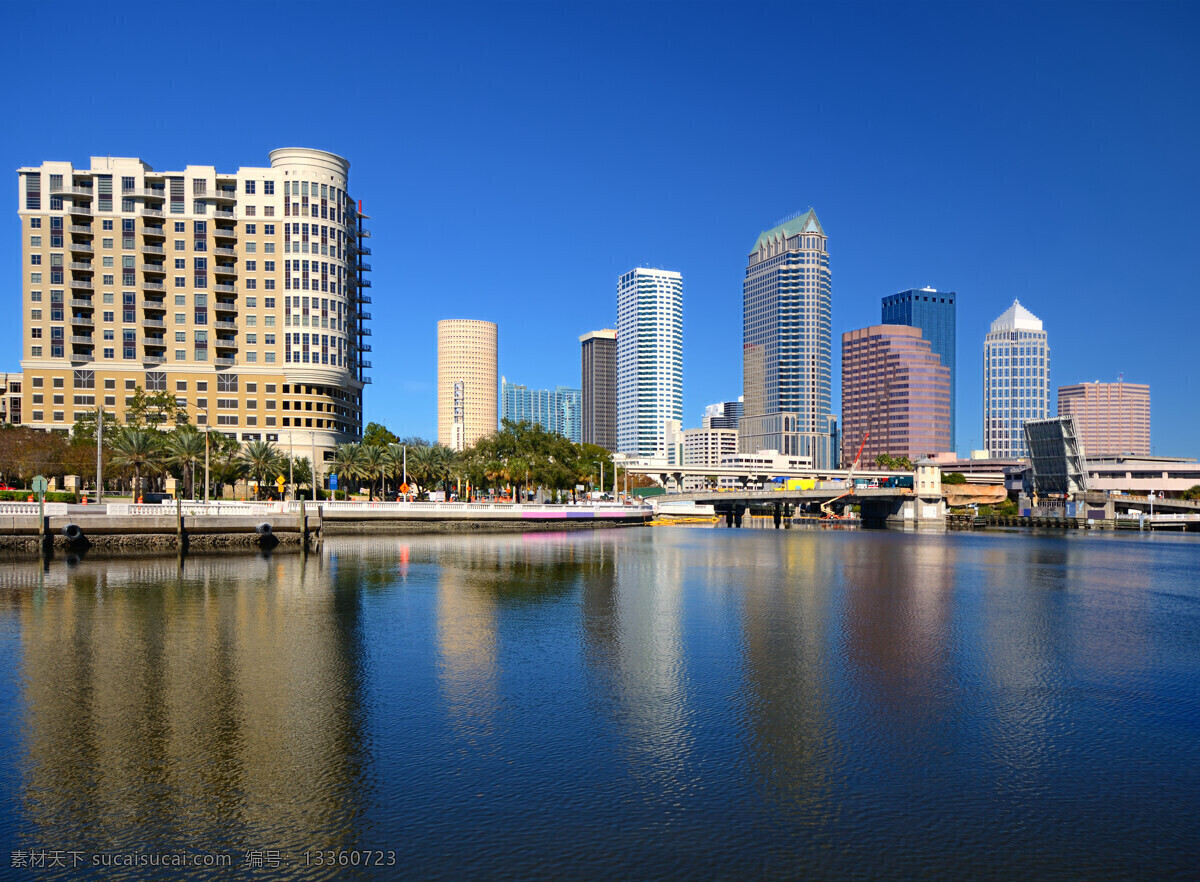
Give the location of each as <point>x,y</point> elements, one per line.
<point>801,223</point>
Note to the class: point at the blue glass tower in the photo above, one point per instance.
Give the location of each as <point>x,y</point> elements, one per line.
<point>933,312</point>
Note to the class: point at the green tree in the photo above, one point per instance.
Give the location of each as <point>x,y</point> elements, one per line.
<point>348,464</point>
<point>374,463</point>
<point>139,451</point>
<point>953,478</point>
<point>184,448</point>
<point>302,472</point>
<point>378,434</point>
<point>263,462</point>
<point>1192,492</point>
<point>154,409</point>
<point>225,461</point>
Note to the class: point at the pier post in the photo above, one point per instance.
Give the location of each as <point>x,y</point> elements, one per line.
<point>178,522</point>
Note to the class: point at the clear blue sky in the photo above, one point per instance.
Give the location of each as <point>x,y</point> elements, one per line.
<point>518,157</point>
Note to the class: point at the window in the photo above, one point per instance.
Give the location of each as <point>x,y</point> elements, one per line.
<point>180,318</point>
<point>250,188</point>
<point>156,381</point>
<point>268,229</point>
<point>181,385</point>
<point>180,244</point>
<point>108,315</point>
<point>250,229</point>
<point>268,188</point>
<point>227,403</point>
<point>227,382</point>
<point>35,351</point>
<point>85,379</point>
<point>35,315</point>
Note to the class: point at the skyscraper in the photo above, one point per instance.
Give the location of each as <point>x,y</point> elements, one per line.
<point>466,381</point>
<point>599,387</point>
<point>1016,380</point>
<point>556,410</point>
<point>786,344</point>
<point>649,358</point>
<point>933,312</point>
<point>1111,418</point>
<point>722,415</point>
<point>240,294</point>
<point>894,388</point>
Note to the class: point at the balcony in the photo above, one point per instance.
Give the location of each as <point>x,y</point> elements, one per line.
<point>158,341</point>
<point>82,321</point>
<point>225,306</point>
<point>224,362</point>
<point>158,305</point>
<point>80,229</point>
<point>364,267</point>
<point>365,347</point>
<point>365,365</point>
<point>154,359</point>
<point>225,269</point>
<point>365,252</point>
<point>226,343</point>
<point>81,357</point>
<point>82,285</point>
<point>82,248</point>
<point>366,381</point>
<point>225,288</point>
<point>151,193</point>
<point>364,283</point>
<point>156,268</point>
<point>222,195</point>
<point>225,326</point>
<point>80,303</point>
<point>224,213</point>
<point>224,251</point>
<point>152,213</point>
<point>224,232</point>
<point>80,210</point>
<point>73,192</point>
<point>153,323</point>
<point>153,286</point>
<point>81,266</point>
<point>157,232</point>
<point>365,299</point>
<point>153,249</point>
<point>365,316</point>
<point>83,341</point>
<point>364,332</point>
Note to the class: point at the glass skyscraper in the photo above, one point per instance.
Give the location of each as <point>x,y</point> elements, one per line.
<point>557,410</point>
<point>1016,380</point>
<point>787,316</point>
<point>649,359</point>
<point>933,312</point>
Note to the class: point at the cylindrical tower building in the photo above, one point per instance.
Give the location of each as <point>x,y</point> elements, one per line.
<point>467,381</point>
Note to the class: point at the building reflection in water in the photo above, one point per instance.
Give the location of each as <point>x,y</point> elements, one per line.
<point>218,710</point>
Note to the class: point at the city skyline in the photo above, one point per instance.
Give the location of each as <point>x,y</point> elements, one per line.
<point>977,156</point>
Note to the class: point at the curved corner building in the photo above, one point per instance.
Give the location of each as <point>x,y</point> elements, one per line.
<point>239,293</point>
<point>467,376</point>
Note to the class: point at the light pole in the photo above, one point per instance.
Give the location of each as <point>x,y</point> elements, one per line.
<point>290,484</point>
<point>99,458</point>
<point>312,437</point>
<point>205,409</point>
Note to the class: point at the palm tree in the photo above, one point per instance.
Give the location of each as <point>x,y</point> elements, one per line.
<point>420,466</point>
<point>444,466</point>
<point>139,450</point>
<point>261,459</point>
<point>185,448</point>
<point>347,462</point>
<point>374,461</point>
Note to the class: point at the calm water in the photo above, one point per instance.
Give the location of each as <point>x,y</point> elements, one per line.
<point>642,703</point>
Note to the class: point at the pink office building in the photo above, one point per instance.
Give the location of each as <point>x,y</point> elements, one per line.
<point>895,387</point>
<point>1110,418</point>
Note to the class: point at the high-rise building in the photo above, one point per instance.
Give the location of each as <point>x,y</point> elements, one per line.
<point>466,381</point>
<point>649,358</point>
<point>895,393</point>
<point>707,447</point>
<point>599,399</point>
<point>555,410</point>
<point>1110,418</point>
<point>786,344</point>
<point>933,312</point>
<point>722,415</point>
<point>1016,380</point>
<point>240,294</point>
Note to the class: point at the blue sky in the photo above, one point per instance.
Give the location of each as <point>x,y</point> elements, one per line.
<point>517,157</point>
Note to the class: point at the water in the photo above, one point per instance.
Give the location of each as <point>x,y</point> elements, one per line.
<point>637,703</point>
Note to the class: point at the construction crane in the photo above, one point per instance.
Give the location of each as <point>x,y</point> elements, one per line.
<point>827,507</point>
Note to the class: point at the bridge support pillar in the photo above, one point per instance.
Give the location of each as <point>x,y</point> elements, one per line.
<point>729,518</point>
<point>737,515</point>
<point>778,515</point>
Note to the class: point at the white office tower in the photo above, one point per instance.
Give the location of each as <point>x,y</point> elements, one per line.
<point>649,359</point>
<point>1016,380</point>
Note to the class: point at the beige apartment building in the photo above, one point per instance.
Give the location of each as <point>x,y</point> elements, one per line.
<point>1111,418</point>
<point>467,381</point>
<point>239,293</point>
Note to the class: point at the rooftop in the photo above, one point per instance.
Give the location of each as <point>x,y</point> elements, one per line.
<point>801,223</point>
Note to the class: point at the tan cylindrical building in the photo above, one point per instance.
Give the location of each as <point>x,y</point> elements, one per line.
<point>467,383</point>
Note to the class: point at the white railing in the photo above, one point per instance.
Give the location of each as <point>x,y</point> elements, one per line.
<point>52,509</point>
<point>216,508</point>
<point>476,506</point>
